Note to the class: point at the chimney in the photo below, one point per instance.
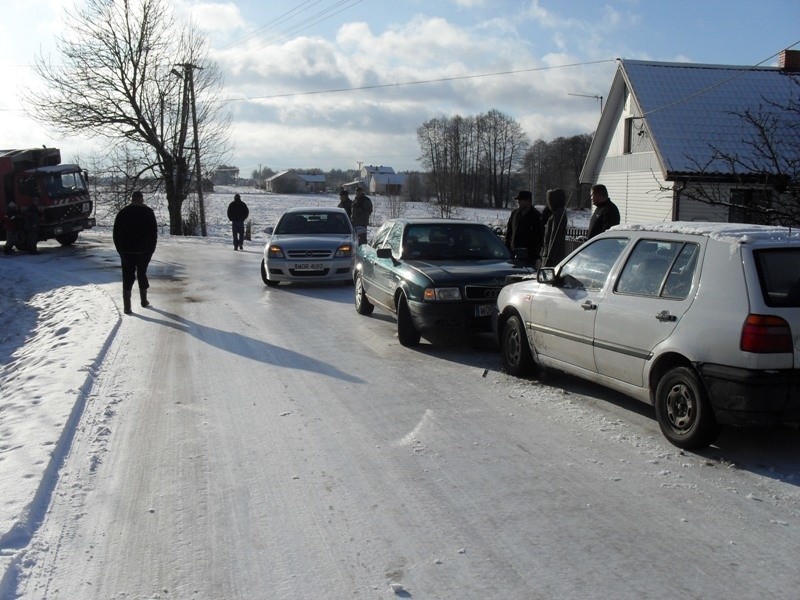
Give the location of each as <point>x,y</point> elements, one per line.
<point>789,61</point>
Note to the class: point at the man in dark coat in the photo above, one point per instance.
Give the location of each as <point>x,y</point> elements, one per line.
<point>361,210</point>
<point>237,215</point>
<point>524,228</point>
<point>555,229</point>
<point>346,203</point>
<point>606,213</point>
<point>135,237</point>
<point>30,218</point>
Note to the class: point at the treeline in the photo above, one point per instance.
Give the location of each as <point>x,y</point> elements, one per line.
<point>484,159</point>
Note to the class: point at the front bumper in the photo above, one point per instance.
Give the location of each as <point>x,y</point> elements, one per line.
<point>748,397</point>
<point>469,316</point>
<point>324,270</point>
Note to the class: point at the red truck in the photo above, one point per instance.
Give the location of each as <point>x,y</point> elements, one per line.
<point>36,174</point>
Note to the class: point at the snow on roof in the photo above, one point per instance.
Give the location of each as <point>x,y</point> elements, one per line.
<point>691,109</point>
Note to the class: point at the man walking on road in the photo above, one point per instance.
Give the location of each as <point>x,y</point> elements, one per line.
<point>135,237</point>
<point>237,215</point>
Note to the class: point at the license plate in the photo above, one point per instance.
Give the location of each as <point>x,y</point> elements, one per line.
<point>484,310</point>
<point>308,267</point>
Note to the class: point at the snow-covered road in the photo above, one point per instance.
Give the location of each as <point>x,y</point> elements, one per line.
<point>244,442</point>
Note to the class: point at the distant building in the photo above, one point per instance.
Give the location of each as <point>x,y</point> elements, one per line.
<point>291,182</point>
<point>382,180</point>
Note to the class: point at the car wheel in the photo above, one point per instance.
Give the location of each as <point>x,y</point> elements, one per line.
<point>683,411</point>
<point>406,332</point>
<point>67,239</point>
<point>363,305</point>
<point>517,356</point>
<point>264,278</point>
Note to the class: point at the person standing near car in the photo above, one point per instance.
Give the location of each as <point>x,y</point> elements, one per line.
<point>346,203</point>
<point>555,229</point>
<point>135,238</point>
<point>30,218</point>
<point>10,224</point>
<point>237,215</point>
<point>606,213</point>
<point>524,229</point>
<point>361,211</point>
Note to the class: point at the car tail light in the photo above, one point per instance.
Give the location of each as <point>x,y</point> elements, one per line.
<point>765,334</point>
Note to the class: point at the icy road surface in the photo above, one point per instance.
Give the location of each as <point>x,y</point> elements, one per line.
<point>244,442</point>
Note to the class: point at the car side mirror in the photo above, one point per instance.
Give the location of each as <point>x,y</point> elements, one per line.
<point>384,253</point>
<point>269,230</point>
<point>546,275</point>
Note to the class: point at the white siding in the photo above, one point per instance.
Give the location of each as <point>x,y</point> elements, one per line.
<point>635,185</point>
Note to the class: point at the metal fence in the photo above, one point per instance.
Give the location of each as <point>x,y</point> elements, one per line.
<point>575,237</point>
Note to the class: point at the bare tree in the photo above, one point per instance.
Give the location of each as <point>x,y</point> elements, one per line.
<point>126,73</point>
<point>763,181</point>
<point>503,145</point>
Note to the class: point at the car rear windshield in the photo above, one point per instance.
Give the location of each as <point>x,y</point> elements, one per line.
<point>779,274</point>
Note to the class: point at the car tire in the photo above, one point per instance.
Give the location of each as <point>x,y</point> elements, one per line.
<point>264,278</point>
<point>67,239</point>
<point>514,347</point>
<point>406,332</point>
<point>363,305</point>
<point>683,410</point>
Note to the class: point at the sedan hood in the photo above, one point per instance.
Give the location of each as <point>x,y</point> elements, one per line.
<point>442,272</point>
<point>317,240</point>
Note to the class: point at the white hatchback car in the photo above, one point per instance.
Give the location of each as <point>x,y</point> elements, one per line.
<point>702,320</point>
<point>310,245</point>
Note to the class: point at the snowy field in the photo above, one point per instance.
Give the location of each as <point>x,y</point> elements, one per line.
<point>480,457</point>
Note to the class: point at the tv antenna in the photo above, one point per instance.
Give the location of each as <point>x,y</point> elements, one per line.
<point>596,97</point>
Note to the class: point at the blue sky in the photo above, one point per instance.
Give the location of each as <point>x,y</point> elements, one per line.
<point>539,61</point>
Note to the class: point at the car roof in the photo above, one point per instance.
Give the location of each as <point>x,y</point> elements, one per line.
<point>436,221</point>
<point>316,209</point>
<point>732,233</point>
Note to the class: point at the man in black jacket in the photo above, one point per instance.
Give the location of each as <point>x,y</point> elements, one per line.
<point>135,237</point>
<point>237,215</point>
<point>606,213</point>
<point>524,228</point>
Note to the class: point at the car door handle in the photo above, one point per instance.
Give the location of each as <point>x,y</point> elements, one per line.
<point>664,315</point>
<point>589,305</point>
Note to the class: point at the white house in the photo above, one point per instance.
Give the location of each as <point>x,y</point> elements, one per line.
<point>382,180</point>
<point>673,143</point>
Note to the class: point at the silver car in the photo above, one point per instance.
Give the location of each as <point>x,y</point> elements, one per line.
<point>310,244</point>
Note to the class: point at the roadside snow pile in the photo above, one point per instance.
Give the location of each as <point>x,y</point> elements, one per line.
<point>51,342</point>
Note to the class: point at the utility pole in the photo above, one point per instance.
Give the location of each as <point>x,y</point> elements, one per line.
<point>189,75</point>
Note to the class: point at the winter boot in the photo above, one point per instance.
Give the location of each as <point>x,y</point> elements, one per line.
<point>143,295</point>
<point>126,302</point>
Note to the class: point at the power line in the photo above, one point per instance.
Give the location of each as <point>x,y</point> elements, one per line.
<point>421,82</point>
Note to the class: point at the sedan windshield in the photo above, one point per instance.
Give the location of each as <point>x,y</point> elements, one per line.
<point>456,241</point>
<point>312,223</point>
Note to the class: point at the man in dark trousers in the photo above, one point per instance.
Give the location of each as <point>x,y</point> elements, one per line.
<point>360,212</point>
<point>524,229</point>
<point>606,213</point>
<point>135,237</point>
<point>237,215</point>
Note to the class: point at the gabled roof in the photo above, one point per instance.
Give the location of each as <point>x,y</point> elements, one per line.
<point>389,178</point>
<point>690,111</point>
<point>372,170</point>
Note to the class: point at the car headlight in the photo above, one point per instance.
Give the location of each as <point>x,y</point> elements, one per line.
<point>344,251</point>
<point>275,252</point>
<point>447,294</point>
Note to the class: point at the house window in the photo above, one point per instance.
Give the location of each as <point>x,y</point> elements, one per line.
<point>628,134</point>
<point>750,206</point>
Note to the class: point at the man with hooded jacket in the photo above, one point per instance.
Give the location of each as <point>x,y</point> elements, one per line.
<point>135,238</point>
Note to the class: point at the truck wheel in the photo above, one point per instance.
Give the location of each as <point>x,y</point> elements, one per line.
<point>517,356</point>
<point>67,239</point>
<point>683,411</point>
<point>406,332</point>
